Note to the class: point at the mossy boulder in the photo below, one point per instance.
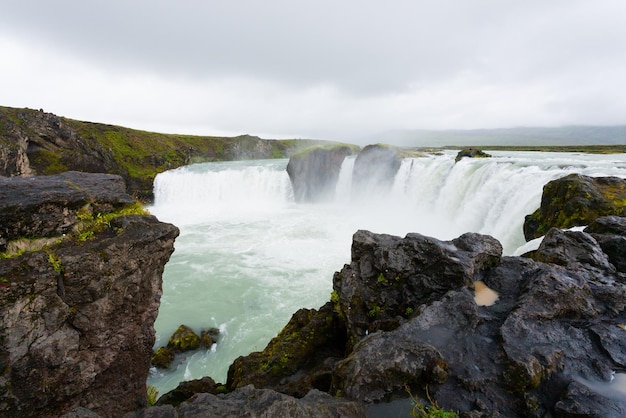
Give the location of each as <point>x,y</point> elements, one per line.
<point>183,339</point>
<point>163,358</point>
<point>471,153</point>
<point>576,200</point>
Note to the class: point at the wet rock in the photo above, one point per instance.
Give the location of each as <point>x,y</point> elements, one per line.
<point>390,277</point>
<point>250,402</point>
<point>470,153</point>
<point>314,172</point>
<point>576,200</point>
<point>610,233</point>
<point>559,318</point>
<point>185,390</point>
<point>300,358</point>
<point>580,401</point>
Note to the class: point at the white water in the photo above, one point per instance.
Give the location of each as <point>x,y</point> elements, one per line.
<point>248,257</point>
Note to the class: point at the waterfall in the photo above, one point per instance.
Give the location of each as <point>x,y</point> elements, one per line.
<point>248,256</point>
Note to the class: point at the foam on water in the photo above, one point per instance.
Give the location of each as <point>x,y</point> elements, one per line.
<point>248,257</point>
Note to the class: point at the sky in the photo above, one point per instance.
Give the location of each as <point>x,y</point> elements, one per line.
<point>338,70</point>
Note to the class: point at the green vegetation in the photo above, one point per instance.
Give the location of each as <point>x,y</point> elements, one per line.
<point>431,410</point>
<point>381,279</point>
<point>55,262</point>
<point>152,395</point>
<point>90,224</point>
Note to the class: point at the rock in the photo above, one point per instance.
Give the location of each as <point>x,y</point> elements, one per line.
<point>576,200</point>
<point>250,402</point>
<point>390,277</point>
<point>185,390</point>
<point>314,172</point>
<point>78,316</point>
<point>471,153</point>
<point>610,233</point>
<point>300,358</point>
<point>374,170</point>
<point>163,358</point>
<point>580,401</point>
<point>183,339</point>
<point>49,206</point>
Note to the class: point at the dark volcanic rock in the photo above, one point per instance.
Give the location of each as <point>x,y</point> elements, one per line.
<point>78,316</point>
<point>48,205</point>
<point>300,358</point>
<point>374,170</point>
<point>250,402</point>
<point>411,319</point>
<point>471,153</point>
<point>576,200</point>
<point>314,172</point>
<point>186,390</point>
<point>390,277</point>
<point>610,233</point>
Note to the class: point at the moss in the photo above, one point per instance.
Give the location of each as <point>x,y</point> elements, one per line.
<point>381,279</point>
<point>55,262</point>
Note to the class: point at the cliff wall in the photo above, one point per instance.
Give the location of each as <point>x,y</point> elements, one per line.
<point>80,284</point>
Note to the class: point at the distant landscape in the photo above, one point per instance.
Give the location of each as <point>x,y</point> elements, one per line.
<point>526,136</point>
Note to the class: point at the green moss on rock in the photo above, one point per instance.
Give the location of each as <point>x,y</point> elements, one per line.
<point>576,200</point>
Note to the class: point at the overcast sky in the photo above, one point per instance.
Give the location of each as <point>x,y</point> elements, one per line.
<point>319,69</point>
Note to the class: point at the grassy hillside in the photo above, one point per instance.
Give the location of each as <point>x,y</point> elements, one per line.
<point>55,144</point>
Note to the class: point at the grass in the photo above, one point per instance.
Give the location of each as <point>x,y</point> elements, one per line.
<point>428,410</point>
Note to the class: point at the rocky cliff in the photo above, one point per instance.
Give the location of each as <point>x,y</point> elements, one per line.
<point>80,284</point>
<point>38,143</point>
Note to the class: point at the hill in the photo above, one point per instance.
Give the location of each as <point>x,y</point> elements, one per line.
<point>33,142</point>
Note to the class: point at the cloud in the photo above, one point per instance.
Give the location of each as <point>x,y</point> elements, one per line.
<point>317,69</point>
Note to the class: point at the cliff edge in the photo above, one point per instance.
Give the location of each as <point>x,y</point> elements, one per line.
<point>80,285</point>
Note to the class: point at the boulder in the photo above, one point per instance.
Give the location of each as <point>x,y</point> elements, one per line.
<point>78,316</point>
<point>185,390</point>
<point>314,172</point>
<point>576,200</point>
<point>374,170</point>
<point>183,339</point>
<point>610,233</point>
<point>390,277</point>
<point>470,153</point>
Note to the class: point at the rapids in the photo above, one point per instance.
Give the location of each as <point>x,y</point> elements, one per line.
<point>248,257</point>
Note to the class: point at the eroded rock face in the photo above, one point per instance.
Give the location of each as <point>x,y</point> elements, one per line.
<point>77,316</point>
<point>314,173</point>
<point>576,200</point>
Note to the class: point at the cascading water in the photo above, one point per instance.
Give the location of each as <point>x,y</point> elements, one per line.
<point>248,257</point>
